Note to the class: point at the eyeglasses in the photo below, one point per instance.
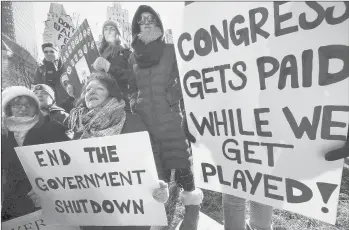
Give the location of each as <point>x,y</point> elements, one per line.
<point>48,51</point>
<point>18,106</point>
<point>150,19</point>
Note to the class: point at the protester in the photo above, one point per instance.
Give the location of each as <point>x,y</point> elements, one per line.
<point>155,94</point>
<point>114,57</point>
<point>68,103</point>
<point>22,125</point>
<point>49,72</point>
<point>48,105</point>
<point>101,112</point>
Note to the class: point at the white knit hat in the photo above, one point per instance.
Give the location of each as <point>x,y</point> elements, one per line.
<point>15,91</point>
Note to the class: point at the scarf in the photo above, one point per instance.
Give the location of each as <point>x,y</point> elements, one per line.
<point>148,47</point>
<point>20,126</point>
<point>99,122</point>
<point>112,50</point>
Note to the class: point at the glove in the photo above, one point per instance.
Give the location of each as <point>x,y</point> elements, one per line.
<point>340,153</point>
<point>185,128</point>
<point>161,194</point>
<point>101,64</point>
<point>35,198</point>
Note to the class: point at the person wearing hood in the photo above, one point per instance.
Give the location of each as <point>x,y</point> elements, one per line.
<point>101,112</point>
<point>23,124</point>
<point>49,72</point>
<point>114,57</point>
<point>48,106</point>
<point>155,94</point>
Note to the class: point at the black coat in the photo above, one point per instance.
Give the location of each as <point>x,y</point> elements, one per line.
<point>49,73</point>
<point>16,185</point>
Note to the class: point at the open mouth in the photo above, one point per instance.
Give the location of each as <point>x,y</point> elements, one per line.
<point>93,98</point>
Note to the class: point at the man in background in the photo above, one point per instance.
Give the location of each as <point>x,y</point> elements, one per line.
<point>68,103</point>
<point>49,72</point>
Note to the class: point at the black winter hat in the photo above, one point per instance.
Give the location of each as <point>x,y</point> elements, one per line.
<point>45,45</point>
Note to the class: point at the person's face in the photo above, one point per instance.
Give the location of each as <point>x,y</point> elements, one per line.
<point>147,22</point>
<point>23,107</point>
<point>67,85</point>
<point>50,54</point>
<point>110,34</point>
<point>96,94</point>
<point>44,98</point>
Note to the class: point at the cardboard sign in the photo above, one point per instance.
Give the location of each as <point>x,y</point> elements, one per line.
<point>59,30</point>
<point>104,181</point>
<point>78,56</point>
<point>33,221</point>
<point>266,93</point>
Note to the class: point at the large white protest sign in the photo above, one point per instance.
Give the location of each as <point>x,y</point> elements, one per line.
<point>266,93</point>
<point>104,181</point>
<point>33,221</point>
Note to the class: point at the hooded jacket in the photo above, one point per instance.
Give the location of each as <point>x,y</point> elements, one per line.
<point>155,94</point>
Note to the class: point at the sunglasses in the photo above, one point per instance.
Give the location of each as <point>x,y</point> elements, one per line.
<point>150,19</point>
<point>48,51</point>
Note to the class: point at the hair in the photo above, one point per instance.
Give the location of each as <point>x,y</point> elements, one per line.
<point>107,81</point>
<point>120,44</point>
<point>8,111</point>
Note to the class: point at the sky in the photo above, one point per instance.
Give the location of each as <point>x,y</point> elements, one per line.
<point>96,14</point>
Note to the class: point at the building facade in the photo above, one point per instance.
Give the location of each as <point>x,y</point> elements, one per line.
<point>18,24</point>
<point>120,16</point>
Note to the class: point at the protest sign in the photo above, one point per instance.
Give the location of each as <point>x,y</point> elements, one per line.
<point>78,56</point>
<point>59,30</point>
<point>33,221</point>
<point>266,93</point>
<point>105,181</point>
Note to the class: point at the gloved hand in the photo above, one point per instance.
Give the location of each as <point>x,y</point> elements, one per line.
<point>101,64</point>
<point>340,153</point>
<point>185,128</point>
<point>35,198</point>
<point>161,194</point>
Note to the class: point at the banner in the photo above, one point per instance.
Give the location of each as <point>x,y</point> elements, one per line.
<point>78,56</point>
<point>266,93</point>
<point>33,221</point>
<point>105,181</point>
<point>59,30</point>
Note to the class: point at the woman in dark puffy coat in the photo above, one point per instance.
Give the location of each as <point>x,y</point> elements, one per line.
<point>101,112</point>
<point>23,124</point>
<point>155,94</point>
<point>114,57</point>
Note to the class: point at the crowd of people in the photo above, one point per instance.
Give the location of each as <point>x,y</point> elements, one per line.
<point>132,89</point>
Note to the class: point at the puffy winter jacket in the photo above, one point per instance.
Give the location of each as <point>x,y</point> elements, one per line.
<point>155,94</point>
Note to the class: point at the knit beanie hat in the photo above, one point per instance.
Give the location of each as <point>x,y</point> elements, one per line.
<point>45,45</point>
<point>15,91</point>
<point>45,88</point>
<point>113,24</point>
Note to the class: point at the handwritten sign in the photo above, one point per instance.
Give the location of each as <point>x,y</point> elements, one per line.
<point>33,221</point>
<point>266,93</point>
<point>59,30</point>
<point>78,56</point>
<point>101,181</point>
